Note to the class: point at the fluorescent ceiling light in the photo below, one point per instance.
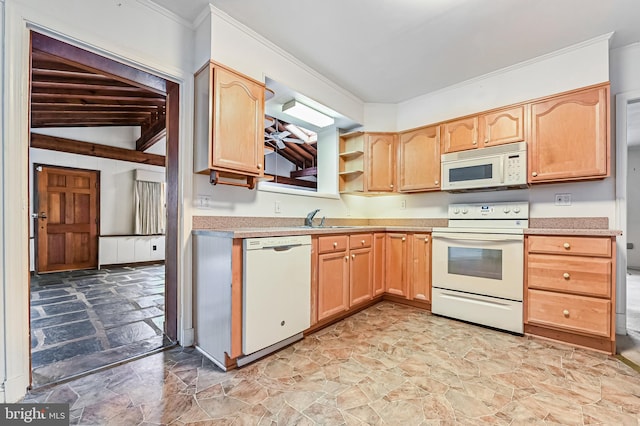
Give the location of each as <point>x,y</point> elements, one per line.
<point>308,114</point>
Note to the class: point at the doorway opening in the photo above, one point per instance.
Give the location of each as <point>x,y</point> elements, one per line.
<point>104,155</point>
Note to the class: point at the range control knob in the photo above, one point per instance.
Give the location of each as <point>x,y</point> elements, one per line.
<point>465,211</point>
<point>506,210</point>
<point>456,210</point>
<point>516,209</point>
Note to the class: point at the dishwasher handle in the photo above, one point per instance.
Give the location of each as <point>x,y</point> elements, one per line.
<point>283,248</point>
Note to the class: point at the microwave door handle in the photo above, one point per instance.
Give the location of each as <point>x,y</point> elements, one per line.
<point>502,173</point>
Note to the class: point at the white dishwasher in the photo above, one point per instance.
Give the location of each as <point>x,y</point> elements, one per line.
<point>276,293</point>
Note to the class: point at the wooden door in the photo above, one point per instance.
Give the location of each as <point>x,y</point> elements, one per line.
<point>396,264</point>
<point>419,163</point>
<point>460,135</point>
<point>67,223</point>
<point>503,126</point>
<point>421,267</point>
<point>378,263</point>
<point>333,284</point>
<point>360,280</point>
<point>238,130</point>
<point>381,162</point>
<point>570,137</point>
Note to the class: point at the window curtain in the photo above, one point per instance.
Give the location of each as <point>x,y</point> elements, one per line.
<point>150,208</point>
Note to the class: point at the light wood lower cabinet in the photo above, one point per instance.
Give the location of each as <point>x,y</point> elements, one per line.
<point>379,257</point>
<point>570,289</point>
<point>420,273</point>
<point>333,284</point>
<point>345,270</point>
<point>396,264</point>
<point>408,266</point>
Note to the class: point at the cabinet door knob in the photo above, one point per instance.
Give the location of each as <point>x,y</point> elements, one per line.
<point>259,166</point>
<point>353,256</point>
<point>566,276</point>
<point>391,186</point>
<point>566,313</point>
<point>335,244</point>
<point>403,238</point>
<point>346,258</point>
<point>567,246</point>
<point>534,174</point>
<point>362,242</point>
<point>437,182</point>
<point>426,240</point>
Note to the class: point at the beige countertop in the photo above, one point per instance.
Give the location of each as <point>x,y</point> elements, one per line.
<point>581,232</point>
<point>300,230</point>
<point>256,227</point>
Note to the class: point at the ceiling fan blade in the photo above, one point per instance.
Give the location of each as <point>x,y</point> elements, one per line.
<point>280,144</point>
<point>284,134</point>
<point>294,140</point>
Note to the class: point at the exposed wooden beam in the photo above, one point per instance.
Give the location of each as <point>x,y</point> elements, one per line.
<point>309,171</point>
<point>94,150</point>
<point>296,182</point>
<point>55,106</point>
<point>152,134</point>
<point>95,63</point>
<point>96,100</point>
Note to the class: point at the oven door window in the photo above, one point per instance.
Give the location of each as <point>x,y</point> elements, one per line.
<point>475,262</point>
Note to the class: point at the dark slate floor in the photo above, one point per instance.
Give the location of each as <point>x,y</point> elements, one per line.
<point>82,320</point>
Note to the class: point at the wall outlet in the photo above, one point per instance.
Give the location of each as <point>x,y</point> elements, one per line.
<point>276,207</point>
<point>203,201</point>
<point>563,199</point>
<point>403,204</point>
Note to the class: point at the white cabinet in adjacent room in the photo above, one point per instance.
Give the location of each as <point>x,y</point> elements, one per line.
<point>131,249</point>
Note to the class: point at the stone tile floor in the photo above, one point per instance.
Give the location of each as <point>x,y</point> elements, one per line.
<point>82,320</point>
<point>389,364</point>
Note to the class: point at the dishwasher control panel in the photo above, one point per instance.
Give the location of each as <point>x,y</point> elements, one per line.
<point>265,242</point>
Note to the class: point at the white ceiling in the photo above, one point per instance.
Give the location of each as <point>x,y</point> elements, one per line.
<point>389,51</point>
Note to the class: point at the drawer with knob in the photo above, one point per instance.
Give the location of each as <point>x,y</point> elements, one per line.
<point>333,243</point>
<point>570,245</point>
<point>579,314</point>
<point>360,241</point>
<point>578,275</point>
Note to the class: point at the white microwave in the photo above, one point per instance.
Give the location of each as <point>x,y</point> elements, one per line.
<point>496,167</point>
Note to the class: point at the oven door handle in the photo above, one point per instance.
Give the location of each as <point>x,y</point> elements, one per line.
<point>477,237</point>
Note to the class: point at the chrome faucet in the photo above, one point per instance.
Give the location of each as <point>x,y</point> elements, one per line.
<point>308,221</point>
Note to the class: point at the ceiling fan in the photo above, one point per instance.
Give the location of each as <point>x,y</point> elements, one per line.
<point>280,137</point>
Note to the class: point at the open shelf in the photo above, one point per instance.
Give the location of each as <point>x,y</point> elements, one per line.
<point>351,154</point>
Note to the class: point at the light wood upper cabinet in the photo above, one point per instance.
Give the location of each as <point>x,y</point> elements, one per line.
<point>460,135</point>
<point>381,161</point>
<point>569,137</point>
<point>503,126</point>
<point>419,160</point>
<point>229,122</point>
